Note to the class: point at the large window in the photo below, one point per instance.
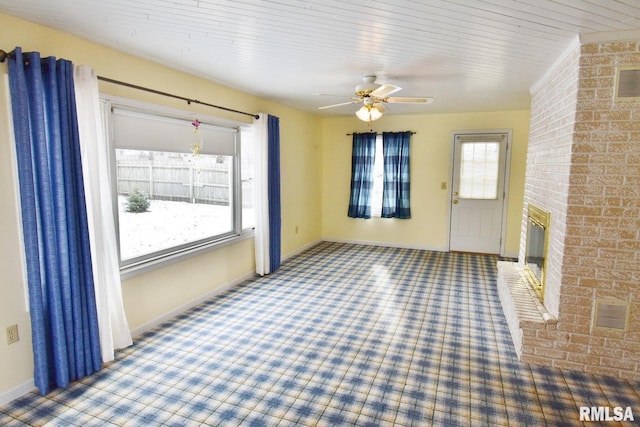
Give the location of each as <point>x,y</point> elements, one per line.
<point>182,186</point>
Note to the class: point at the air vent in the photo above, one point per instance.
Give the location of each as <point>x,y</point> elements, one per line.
<point>628,83</point>
<point>611,315</point>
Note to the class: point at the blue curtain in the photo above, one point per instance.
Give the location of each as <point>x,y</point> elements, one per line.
<point>62,305</point>
<point>362,159</point>
<point>396,180</point>
<point>275,224</point>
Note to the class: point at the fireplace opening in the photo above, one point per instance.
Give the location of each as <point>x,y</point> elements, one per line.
<point>535,263</point>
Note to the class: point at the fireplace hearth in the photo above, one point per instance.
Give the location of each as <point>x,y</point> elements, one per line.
<point>521,287</point>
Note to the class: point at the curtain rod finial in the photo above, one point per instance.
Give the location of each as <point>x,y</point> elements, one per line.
<point>3,55</point>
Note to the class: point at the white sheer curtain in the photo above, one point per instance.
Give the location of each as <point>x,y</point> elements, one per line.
<point>112,322</point>
<point>268,234</point>
<point>261,194</point>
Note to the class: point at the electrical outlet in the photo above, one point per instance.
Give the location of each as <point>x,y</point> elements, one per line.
<point>12,334</point>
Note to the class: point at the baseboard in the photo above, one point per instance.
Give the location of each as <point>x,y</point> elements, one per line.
<point>400,245</point>
<point>184,307</point>
<point>387,244</point>
<point>301,249</point>
<point>16,392</point>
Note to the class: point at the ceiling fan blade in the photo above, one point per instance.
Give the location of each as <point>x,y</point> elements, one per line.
<point>385,90</point>
<point>408,100</point>
<point>338,105</point>
<point>330,94</point>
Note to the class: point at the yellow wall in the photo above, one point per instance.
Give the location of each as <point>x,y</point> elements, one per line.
<point>151,295</point>
<point>430,166</point>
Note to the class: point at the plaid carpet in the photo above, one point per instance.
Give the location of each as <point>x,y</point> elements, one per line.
<point>341,335</point>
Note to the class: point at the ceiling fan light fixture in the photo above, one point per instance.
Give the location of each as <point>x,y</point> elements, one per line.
<point>367,86</point>
<point>374,98</point>
<point>369,113</point>
<point>380,107</point>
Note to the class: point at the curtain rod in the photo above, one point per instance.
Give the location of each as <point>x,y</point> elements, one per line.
<point>4,55</point>
<point>170,95</point>
<point>377,133</point>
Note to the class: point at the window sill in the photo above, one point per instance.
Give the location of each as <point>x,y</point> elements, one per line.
<point>130,271</point>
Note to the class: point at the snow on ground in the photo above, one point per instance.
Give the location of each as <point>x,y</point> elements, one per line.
<point>168,224</point>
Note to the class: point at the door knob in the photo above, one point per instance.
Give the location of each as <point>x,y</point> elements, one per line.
<point>455,202</point>
<point>455,193</point>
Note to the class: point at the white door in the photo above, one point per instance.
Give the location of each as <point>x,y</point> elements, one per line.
<point>477,192</point>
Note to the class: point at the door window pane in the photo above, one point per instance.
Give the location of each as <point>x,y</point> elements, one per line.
<point>479,170</point>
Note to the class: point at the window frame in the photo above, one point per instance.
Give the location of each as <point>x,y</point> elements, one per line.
<point>147,262</point>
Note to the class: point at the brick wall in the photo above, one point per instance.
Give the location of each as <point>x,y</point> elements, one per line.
<point>553,107</point>
<point>583,166</point>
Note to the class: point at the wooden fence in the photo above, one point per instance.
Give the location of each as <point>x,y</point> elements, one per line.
<point>189,183</point>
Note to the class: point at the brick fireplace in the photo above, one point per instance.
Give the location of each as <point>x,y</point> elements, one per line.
<point>583,167</point>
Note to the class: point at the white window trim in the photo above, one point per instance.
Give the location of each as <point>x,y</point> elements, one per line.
<point>183,252</point>
<point>191,252</point>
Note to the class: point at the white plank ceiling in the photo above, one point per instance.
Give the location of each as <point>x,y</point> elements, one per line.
<point>471,55</point>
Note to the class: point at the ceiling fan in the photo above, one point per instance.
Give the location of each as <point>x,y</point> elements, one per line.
<point>373,96</point>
